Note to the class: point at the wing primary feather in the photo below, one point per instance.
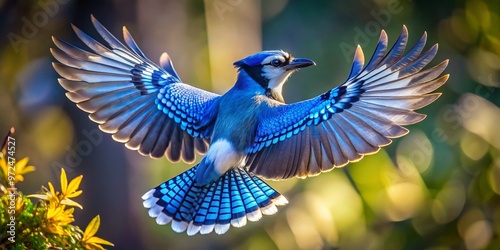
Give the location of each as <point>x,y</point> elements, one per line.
<point>140,131</point>
<point>365,131</point>
<point>107,36</point>
<point>167,64</point>
<point>97,102</point>
<point>397,49</point>
<point>110,111</point>
<point>359,143</point>
<point>378,54</point>
<point>83,55</point>
<point>357,63</point>
<point>388,115</point>
<point>149,141</point>
<point>87,76</point>
<point>99,48</point>
<point>416,89</point>
<point>131,42</point>
<point>129,127</point>
<point>69,61</point>
<point>420,63</point>
<point>118,116</point>
<point>70,85</point>
<point>429,74</point>
<point>411,55</point>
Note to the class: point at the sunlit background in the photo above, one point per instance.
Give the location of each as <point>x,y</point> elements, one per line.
<point>436,188</point>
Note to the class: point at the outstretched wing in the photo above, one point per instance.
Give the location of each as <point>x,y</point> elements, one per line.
<point>351,120</point>
<point>143,105</point>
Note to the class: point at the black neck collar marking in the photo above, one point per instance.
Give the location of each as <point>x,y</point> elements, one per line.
<point>256,74</point>
<point>274,95</point>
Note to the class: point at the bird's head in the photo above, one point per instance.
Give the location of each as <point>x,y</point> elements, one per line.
<point>271,68</point>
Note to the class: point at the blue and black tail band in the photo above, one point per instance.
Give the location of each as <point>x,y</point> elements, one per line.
<point>235,198</point>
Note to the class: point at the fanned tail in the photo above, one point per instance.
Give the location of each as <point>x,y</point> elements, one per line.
<point>234,198</point>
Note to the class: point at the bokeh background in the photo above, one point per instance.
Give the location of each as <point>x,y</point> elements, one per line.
<point>436,188</point>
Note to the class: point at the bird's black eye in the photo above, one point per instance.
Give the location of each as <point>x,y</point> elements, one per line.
<point>276,63</point>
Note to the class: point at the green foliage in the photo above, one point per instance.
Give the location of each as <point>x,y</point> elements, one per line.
<point>30,228</point>
<point>47,223</point>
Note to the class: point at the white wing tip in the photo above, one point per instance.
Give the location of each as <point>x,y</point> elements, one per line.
<point>239,222</point>
<point>255,215</point>
<point>206,229</point>
<point>280,201</point>
<point>155,211</point>
<point>150,202</point>
<point>148,194</point>
<point>193,229</point>
<point>269,209</point>
<point>222,228</point>
<point>179,226</point>
<point>163,219</point>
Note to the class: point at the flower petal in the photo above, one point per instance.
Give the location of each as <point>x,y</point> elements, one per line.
<point>39,196</point>
<point>22,163</point>
<point>72,203</point>
<point>27,169</point>
<point>52,191</point>
<point>97,240</point>
<point>91,228</point>
<point>64,181</point>
<point>75,194</point>
<point>18,178</point>
<point>93,246</point>
<point>73,185</point>
<point>3,165</point>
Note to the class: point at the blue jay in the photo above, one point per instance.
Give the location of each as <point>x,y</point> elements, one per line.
<point>249,132</point>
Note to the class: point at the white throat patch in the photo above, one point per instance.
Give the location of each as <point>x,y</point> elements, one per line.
<point>277,76</point>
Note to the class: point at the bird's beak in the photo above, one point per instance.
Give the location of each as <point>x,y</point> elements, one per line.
<point>298,63</point>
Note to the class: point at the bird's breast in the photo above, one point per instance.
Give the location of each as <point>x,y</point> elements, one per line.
<point>236,121</point>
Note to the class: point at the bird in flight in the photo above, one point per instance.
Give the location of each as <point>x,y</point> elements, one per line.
<point>249,133</point>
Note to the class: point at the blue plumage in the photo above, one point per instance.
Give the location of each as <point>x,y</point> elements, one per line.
<point>249,132</point>
<point>230,200</point>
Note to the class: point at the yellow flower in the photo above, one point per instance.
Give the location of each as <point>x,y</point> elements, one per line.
<point>71,190</point>
<point>67,191</point>
<point>17,170</point>
<point>89,240</point>
<point>57,218</point>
